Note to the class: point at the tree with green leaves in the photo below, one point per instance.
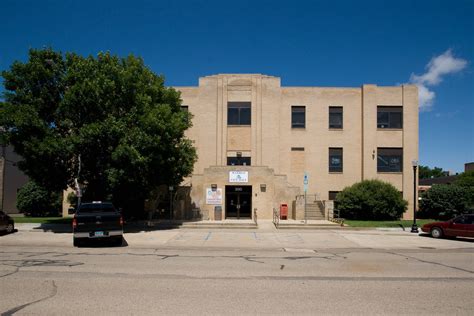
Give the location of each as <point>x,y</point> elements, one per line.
<point>371,200</point>
<point>426,172</point>
<point>111,117</point>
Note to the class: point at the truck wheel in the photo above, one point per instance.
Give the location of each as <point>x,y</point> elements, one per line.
<point>10,228</point>
<point>75,242</point>
<point>436,232</point>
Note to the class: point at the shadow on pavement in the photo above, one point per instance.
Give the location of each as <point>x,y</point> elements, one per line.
<point>144,226</point>
<point>4,233</point>
<point>129,227</point>
<point>102,243</point>
<point>462,239</point>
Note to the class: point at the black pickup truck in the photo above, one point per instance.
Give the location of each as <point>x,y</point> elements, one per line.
<point>97,220</point>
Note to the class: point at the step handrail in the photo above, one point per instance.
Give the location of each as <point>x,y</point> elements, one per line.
<point>276,217</point>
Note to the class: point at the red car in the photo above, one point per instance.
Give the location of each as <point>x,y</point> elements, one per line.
<point>461,226</point>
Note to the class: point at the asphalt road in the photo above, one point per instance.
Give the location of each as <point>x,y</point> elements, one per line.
<point>177,274</point>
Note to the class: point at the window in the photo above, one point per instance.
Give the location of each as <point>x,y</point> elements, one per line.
<point>335,117</point>
<point>335,159</point>
<point>185,108</point>
<point>238,161</point>
<point>332,195</point>
<point>297,148</point>
<point>298,116</point>
<point>390,117</point>
<point>238,113</point>
<point>389,159</point>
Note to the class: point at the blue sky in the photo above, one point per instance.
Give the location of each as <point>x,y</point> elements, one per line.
<point>306,43</point>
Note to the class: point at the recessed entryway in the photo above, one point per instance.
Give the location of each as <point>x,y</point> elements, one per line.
<point>238,201</point>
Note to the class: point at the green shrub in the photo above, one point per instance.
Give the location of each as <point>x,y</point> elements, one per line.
<point>34,200</point>
<point>444,201</point>
<point>371,200</point>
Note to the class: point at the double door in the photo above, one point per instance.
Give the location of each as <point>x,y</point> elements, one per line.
<point>238,201</point>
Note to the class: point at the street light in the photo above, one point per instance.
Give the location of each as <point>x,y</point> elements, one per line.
<point>414,228</point>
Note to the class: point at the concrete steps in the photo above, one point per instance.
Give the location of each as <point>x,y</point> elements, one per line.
<point>313,212</point>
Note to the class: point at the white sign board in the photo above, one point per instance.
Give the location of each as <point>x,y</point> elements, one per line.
<point>214,197</point>
<point>238,176</point>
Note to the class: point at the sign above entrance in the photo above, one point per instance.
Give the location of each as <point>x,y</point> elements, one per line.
<point>214,197</point>
<point>239,176</point>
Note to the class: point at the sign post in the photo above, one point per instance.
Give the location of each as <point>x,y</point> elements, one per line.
<point>78,192</point>
<point>305,182</point>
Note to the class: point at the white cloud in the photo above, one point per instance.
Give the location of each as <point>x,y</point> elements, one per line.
<point>426,97</point>
<point>437,68</point>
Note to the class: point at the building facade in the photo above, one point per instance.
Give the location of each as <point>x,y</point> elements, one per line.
<point>11,179</point>
<point>261,145</point>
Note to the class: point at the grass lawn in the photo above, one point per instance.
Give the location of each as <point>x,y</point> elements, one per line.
<point>404,223</point>
<point>43,220</point>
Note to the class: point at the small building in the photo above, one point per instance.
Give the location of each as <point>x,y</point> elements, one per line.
<point>469,166</point>
<point>261,145</point>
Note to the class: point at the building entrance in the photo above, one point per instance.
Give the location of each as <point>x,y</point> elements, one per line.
<point>238,201</point>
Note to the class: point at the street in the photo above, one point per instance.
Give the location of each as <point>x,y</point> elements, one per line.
<point>237,272</point>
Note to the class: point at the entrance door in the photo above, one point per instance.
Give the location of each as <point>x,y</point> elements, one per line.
<point>238,201</point>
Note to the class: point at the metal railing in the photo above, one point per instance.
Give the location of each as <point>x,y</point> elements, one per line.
<point>276,217</point>
<point>336,217</point>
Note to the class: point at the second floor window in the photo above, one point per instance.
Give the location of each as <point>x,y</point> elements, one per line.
<point>390,117</point>
<point>335,159</point>
<point>238,161</point>
<point>335,117</point>
<point>298,116</point>
<point>239,113</point>
<point>389,159</point>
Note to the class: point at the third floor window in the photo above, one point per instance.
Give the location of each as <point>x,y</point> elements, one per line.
<point>390,117</point>
<point>239,113</point>
<point>335,117</point>
<point>298,116</point>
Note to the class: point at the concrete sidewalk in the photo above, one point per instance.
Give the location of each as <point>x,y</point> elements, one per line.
<point>146,226</point>
<point>266,236</point>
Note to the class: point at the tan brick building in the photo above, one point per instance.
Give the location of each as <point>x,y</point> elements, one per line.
<point>256,140</point>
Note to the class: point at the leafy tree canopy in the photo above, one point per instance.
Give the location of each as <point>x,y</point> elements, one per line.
<point>426,172</point>
<point>371,200</point>
<point>465,179</point>
<point>112,114</point>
